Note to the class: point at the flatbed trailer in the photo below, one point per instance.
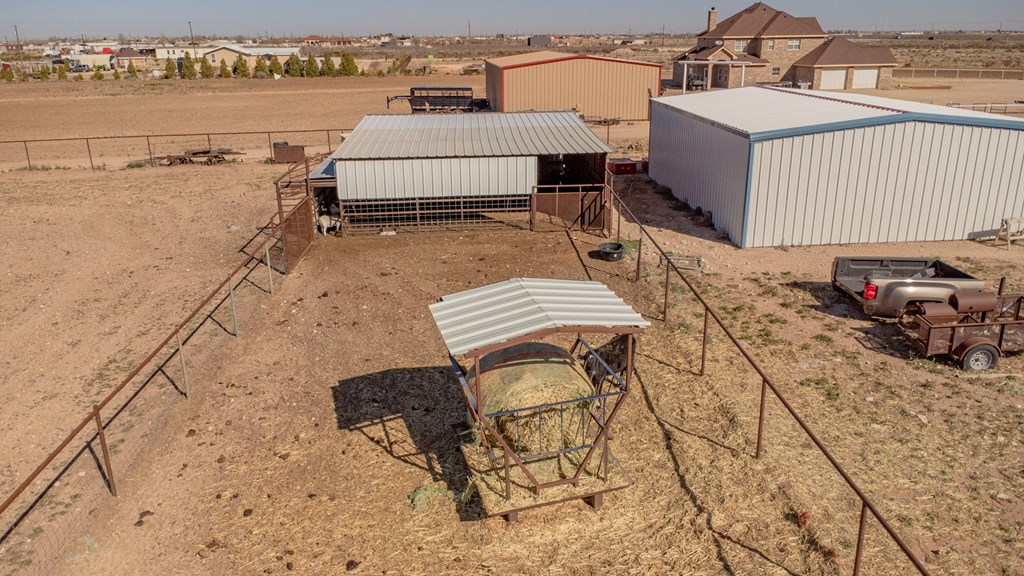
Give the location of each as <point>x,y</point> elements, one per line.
<point>974,329</point>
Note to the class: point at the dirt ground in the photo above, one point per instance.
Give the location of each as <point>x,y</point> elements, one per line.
<point>100,264</point>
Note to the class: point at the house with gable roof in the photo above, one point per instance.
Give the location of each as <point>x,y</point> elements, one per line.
<point>760,45</point>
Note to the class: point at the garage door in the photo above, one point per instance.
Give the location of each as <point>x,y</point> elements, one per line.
<point>865,77</point>
<point>833,79</point>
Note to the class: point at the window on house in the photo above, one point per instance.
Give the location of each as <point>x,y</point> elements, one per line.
<point>213,58</point>
<point>741,45</point>
<point>775,71</point>
<point>793,44</point>
<point>770,44</point>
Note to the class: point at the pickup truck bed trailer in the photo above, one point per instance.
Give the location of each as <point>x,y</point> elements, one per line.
<point>975,329</point>
<point>886,286</point>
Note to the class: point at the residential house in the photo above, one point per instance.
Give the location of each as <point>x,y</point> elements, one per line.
<point>128,56</point>
<point>763,45</point>
<point>251,54</point>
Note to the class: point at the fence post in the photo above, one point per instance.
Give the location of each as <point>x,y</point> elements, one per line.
<point>668,269</point>
<point>89,149</point>
<point>760,418</point>
<point>328,141</point>
<point>704,343</point>
<point>234,316</point>
<point>209,144</point>
<point>270,271</point>
<point>149,148</point>
<point>860,538</point>
<point>270,145</point>
<point>103,446</point>
<point>27,157</point>
<point>181,358</point>
<point>639,253</point>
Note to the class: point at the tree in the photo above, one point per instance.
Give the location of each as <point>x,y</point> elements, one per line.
<point>78,77</point>
<point>275,67</point>
<point>117,74</point>
<point>188,67</point>
<point>348,65</point>
<point>97,75</point>
<point>133,72</point>
<point>170,69</point>
<point>205,68</point>
<point>225,72</point>
<point>294,66</point>
<point>62,72</point>
<point>329,69</point>
<point>261,69</point>
<point>7,74</point>
<point>44,73</point>
<point>241,67</point>
<point>312,68</point>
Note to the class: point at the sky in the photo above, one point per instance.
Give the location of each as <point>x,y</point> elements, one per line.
<point>41,19</point>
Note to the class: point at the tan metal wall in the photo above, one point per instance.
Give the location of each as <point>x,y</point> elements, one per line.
<point>595,88</point>
<point>915,181</point>
<point>493,75</point>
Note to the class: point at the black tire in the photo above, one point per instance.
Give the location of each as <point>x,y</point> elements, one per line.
<point>980,357</point>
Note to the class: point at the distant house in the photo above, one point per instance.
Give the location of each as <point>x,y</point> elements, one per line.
<point>131,56</point>
<point>251,54</point>
<point>174,52</point>
<point>763,45</point>
<point>313,41</point>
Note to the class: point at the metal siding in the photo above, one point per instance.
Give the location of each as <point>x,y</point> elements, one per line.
<point>915,181</point>
<point>435,177</point>
<point>497,313</point>
<point>702,164</point>
<point>595,88</point>
<point>493,75</point>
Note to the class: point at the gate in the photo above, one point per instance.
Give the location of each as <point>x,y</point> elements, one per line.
<point>297,233</point>
<point>579,206</point>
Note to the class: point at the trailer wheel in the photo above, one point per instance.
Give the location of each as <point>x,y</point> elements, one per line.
<point>980,357</point>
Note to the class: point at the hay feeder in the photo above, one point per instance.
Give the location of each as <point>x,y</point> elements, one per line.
<point>540,414</point>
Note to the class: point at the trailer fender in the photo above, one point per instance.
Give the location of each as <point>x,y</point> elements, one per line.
<point>966,345</point>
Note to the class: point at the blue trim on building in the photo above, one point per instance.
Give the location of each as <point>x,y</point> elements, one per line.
<point>890,119</point>
<point>746,196</point>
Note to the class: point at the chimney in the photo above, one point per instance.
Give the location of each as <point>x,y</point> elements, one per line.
<point>712,19</point>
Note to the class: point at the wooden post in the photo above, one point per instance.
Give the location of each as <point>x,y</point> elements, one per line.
<point>668,269</point>
<point>271,146</point>
<point>209,144</point>
<point>181,358</point>
<point>27,158</point>
<point>270,271</point>
<point>639,253</point>
<point>149,148</point>
<point>106,453</point>
<point>88,148</point>
<point>234,315</point>
<point>704,343</point>
<point>860,539</point>
<point>760,418</point>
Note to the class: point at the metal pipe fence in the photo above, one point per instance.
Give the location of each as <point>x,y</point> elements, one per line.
<point>1005,109</point>
<point>41,515</point>
<point>955,73</point>
<point>147,147</point>
<point>620,208</point>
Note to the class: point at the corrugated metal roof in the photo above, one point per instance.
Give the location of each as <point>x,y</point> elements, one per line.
<point>765,113</point>
<point>497,313</point>
<point>543,56</point>
<point>469,135</point>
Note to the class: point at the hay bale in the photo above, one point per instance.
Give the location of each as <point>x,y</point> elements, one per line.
<point>535,374</point>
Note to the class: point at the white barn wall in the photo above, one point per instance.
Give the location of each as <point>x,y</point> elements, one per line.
<point>913,181</point>
<point>702,164</point>
<point>435,177</point>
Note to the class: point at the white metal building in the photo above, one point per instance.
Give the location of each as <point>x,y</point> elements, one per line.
<point>779,167</point>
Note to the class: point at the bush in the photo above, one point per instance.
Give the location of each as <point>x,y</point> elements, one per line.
<point>188,67</point>
<point>7,74</point>
<point>294,66</point>
<point>170,69</point>
<point>205,68</point>
<point>348,65</point>
<point>78,77</point>
<point>97,75</point>
<point>276,68</point>
<point>62,72</point>
<point>133,72</point>
<point>225,72</point>
<point>44,73</point>
<point>261,69</point>
<point>117,74</point>
<point>312,69</point>
<point>241,67</point>
<point>329,69</point>
<point>22,76</point>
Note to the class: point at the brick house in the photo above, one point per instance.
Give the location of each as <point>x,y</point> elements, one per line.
<point>761,45</point>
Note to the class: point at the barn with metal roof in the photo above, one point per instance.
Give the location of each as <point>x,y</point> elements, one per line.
<point>782,167</point>
<point>596,87</point>
<point>397,170</point>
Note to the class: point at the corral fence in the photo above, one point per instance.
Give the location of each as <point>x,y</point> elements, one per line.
<point>42,518</point>
<point>619,209</point>
<point>1015,109</point>
<point>96,151</point>
<point>955,73</point>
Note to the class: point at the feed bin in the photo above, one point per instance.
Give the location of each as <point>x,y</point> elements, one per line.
<point>540,414</point>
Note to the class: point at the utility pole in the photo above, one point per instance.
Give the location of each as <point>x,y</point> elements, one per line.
<point>192,36</point>
<point>17,39</point>
<point>469,36</point>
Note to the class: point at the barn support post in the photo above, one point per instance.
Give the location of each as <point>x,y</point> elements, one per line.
<point>234,315</point>
<point>88,148</point>
<point>704,343</point>
<point>760,418</point>
<point>181,359</point>
<point>27,157</point>
<point>106,453</point>
<point>270,271</point>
